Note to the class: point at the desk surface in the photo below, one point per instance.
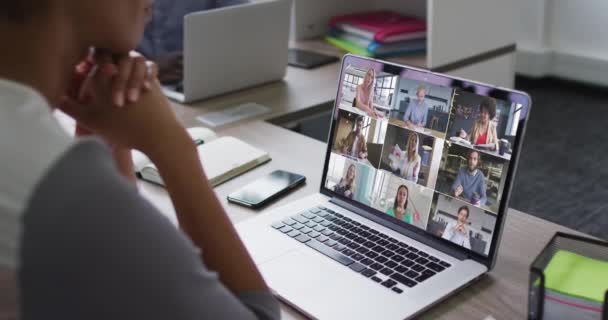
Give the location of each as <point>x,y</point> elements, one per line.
<point>501,293</point>
<point>299,94</point>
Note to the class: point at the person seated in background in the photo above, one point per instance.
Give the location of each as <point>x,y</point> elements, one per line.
<point>354,144</point>
<point>483,131</point>
<point>417,110</point>
<point>457,231</point>
<point>470,182</point>
<point>400,208</point>
<point>407,162</point>
<point>163,39</point>
<point>346,186</point>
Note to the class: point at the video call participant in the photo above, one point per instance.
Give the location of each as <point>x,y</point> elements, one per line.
<point>407,162</point>
<point>457,231</point>
<point>417,110</point>
<point>400,210</point>
<point>364,98</point>
<point>346,186</point>
<point>470,182</point>
<point>484,130</point>
<point>164,34</point>
<point>354,144</point>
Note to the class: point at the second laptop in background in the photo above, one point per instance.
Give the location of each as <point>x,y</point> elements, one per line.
<point>233,48</point>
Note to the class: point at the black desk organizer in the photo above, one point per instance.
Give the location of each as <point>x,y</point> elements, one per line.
<point>561,241</point>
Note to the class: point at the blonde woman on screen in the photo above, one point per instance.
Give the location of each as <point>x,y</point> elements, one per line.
<point>346,186</point>
<point>364,99</point>
<point>407,161</point>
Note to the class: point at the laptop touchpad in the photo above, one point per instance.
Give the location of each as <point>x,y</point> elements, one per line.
<point>310,280</point>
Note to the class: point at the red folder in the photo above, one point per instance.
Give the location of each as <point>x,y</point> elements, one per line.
<point>381,26</point>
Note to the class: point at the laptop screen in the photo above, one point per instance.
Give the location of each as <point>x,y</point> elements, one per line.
<point>423,150</point>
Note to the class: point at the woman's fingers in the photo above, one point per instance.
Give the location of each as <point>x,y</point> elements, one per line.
<point>137,78</point>
<point>151,74</point>
<point>119,86</point>
<point>135,74</point>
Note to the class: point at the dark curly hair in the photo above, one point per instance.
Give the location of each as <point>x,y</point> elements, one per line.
<point>489,104</point>
<point>18,10</point>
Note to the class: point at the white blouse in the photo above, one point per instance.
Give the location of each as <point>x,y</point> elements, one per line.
<point>31,140</point>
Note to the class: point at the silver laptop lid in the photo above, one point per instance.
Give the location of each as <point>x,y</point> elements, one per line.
<point>427,154</point>
<point>236,47</point>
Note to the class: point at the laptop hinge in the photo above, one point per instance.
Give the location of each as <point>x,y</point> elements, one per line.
<point>426,239</point>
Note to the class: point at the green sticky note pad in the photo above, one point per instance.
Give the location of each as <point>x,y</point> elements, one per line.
<point>577,276</point>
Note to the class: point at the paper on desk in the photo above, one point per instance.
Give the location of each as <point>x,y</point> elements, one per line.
<point>576,275</point>
<point>233,114</point>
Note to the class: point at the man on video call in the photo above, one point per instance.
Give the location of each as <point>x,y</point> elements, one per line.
<point>417,110</point>
<point>163,39</point>
<point>354,144</point>
<point>457,231</point>
<point>470,182</point>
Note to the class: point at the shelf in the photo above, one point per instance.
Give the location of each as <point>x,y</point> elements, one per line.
<point>418,60</point>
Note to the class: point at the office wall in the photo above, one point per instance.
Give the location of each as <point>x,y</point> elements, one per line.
<point>563,38</point>
<point>579,27</point>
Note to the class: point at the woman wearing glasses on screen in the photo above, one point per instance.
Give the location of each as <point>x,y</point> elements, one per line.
<point>483,133</point>
<point>346,186</point>
<point>407,162</point>
<point>364,99</point>
<point>457,231</point>
<point>400,208</point>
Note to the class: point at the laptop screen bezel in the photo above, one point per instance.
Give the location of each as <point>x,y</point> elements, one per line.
<point>433,78</point>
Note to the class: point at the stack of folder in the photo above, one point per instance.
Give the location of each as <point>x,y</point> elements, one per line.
<point>378,34</point>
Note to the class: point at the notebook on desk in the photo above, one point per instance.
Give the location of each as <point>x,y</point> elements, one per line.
<point>223,158</point>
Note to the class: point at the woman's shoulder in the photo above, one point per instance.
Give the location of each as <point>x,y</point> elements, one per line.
<point>30,133</point>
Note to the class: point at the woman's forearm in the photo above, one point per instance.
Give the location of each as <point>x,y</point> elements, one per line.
<point>203,218</point>
<point>124,163</point>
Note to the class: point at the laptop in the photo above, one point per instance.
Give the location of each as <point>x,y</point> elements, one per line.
<point>388,237</point>
<point>232,48</point>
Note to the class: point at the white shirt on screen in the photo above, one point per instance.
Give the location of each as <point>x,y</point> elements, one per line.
<point>457,237</point>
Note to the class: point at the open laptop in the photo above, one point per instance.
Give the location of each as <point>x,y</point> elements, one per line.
<point>232,48</point>
<point>390,236</point>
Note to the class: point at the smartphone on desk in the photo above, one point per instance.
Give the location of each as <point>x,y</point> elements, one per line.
<point>262,191</point>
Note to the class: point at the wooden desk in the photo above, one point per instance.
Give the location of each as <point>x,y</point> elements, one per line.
<point>501,293</point>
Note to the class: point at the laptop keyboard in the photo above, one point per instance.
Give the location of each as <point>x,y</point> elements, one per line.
<point>364,250</point>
